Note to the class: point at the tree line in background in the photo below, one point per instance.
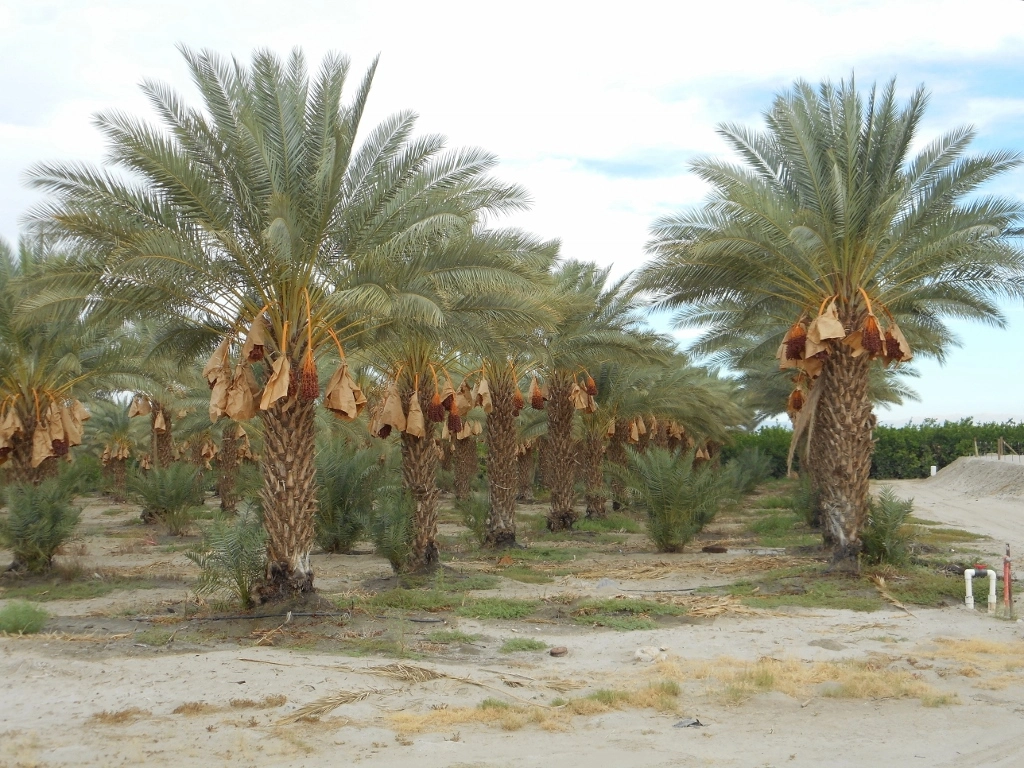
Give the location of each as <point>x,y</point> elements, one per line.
<point>900,453</point>
<point>266,277</point>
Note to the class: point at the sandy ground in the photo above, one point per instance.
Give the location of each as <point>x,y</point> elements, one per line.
<point>58,692</point>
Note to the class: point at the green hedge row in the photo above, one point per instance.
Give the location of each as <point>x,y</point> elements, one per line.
<point>900,452</point>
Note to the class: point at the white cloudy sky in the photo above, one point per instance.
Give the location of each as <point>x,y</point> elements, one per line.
<point>596,111</point>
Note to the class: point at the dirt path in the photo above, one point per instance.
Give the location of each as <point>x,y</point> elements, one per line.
<point>52,695</point>
<point>972,494</point>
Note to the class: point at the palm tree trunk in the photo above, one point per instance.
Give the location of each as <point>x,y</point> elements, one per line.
<point>616,454</point>
<point>420,461</point>
<point>592,455</point>
<point>660,437</point>
<point>118,479</point>
<point>544,462</point>
<point>228,460</point>
<point>562,454</point>
<point>289,496</point>
<point>527,471</point>
<point>163,442</point>
<point>502,465</point>
<point>841,451</point>
<point>465,464</point>
<point>21,468</point>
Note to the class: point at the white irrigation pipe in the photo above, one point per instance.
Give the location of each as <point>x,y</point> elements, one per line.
<point>969,599</point>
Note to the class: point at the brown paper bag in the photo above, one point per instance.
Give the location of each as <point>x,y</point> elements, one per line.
<point>391,412</point>
<point>640,426</point>
<point>218,365</point>
<point>591,404</point>
<point>853,342</point>
<point>477,428</point>
<point>634,432</point>
<point>255,341</point>
<point>415,424</point>
<point>159,423</point>
<point>10,426</point>
<point>894,337</point>
<point>42,445</point>
<point>482,396</point>
<point>610,429</point>
<point>447,391</point>
<point>277,384</point>
<point>343,397</point>
<point>72,427</point>
<point>784,362</point>
<point>240,401</point>
<point>463,399</point>
<point>536,395</point>
<point>219,397</point>
<point>578,397</point>
<point>140,407</point>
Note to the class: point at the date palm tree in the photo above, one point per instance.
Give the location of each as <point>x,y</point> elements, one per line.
<point>600,322</point>
<point>266,213</point>
<point>46,365</point>
<point>829,214</point>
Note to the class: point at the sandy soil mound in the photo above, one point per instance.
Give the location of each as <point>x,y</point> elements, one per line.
<point>981,476</point>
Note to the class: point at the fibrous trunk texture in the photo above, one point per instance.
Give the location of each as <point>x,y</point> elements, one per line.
<point>502,465</point>
<point>841,447</point>
<point>228,460</point>
<point>465,463</point>
<point>163,442</point>
<point>118,479</point>
<point>562,453</point>
<point>660,437</point>
<point>592,456</point>
<point>616,454</point>
<point>419,473</point>
<point>289,496</point>
<point>544,462</point>
<point>527,469</point>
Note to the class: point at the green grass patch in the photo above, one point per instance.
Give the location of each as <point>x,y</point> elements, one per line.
<point>615,522</point>
<point>55,589</point>
<point>446,636</point>
<point>929,588</point>
<point>519,644</point>
<point>154,637</point>
<point>114,512</point>
<point>527,575</point>
<point>492,703</point>
<point>608,697</point>
<point>496,608</point>
<point>942,537</point>
<point>807,588</point>
<point>429,600</point>
<point>623,615</point>
<point>22,618</point>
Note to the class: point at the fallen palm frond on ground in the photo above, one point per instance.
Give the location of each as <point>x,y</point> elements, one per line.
<point>709,607</point>
<point>879,583</point>
<point>325,705</point>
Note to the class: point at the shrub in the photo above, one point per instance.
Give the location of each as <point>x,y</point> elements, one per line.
<point>679,498</point>
<point>748,469</point>
<point>168,495</point>
<point>350,478</point>
<point>887,537</point>
<point>474,511</point>
<point>772,442</point>
<point>805,502</point>
<point>22,618</point>
<point>391,526</point>
<point>39,520</point>
<point>232,557</point>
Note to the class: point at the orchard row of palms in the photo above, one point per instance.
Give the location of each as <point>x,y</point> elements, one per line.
<point>311,262</point>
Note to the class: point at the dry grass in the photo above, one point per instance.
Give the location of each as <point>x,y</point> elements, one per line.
<point>193,708</point>
<point>661,696</point>
<point>267,702</point>
<point>734,681</point>
<point>983,654</point>
<point>121,716</point>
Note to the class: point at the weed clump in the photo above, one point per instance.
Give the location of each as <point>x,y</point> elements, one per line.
<point>887,536</point>
<point>22,618</point>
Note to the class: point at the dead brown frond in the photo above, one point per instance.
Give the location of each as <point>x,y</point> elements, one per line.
<point>879,582</point>
<point>267,702</point>
<point>322,706</point>
<point>406,673</point>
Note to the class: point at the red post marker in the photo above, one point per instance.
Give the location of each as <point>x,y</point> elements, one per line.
<point>1007,592</point>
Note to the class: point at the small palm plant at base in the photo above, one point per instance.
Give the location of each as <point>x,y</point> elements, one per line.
<point>39,520</point>
<point>680,499</point>
<point>887,535</point>
<point>232,558</point>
